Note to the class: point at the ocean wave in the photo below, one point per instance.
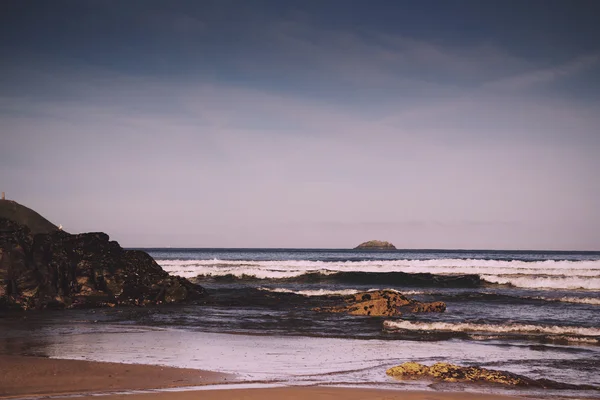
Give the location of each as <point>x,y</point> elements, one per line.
<point>493,296</point>
<point>553,338</point>
<point>544,282</point>
<point>491,328</point>
<point>339,292</point>
<point>312,293</point>
<point>401,279</point>
<point>588,267</point>
<point>483,296</point>
<point>579,300</point>
<point>526,274</point>
<point>358,278</point>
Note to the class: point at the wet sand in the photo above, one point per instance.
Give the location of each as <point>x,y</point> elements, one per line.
<point>312,393</point>
<point>34,376</point>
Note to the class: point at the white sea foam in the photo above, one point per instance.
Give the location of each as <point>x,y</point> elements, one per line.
<point>545,282</point>
<point>324,292</point>
<point>414,292</point>
<point>492,328</point>
<point>583,340</point>
<point>535,274</point>
<point>316,292</point>
<point>578,300</point>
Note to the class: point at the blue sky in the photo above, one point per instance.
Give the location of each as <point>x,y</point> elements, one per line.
<point>431,124</point>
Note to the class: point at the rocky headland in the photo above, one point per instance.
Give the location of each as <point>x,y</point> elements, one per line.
<point>375,245</point>
<point>42,266</point>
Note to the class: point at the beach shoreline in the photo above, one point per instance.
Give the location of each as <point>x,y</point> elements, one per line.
<point>265,333</point>
<point>38,377</point>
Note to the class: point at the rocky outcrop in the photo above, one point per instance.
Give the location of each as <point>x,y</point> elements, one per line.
<point>59,270</point>
<point>382,303</point>
<point>436,306</point>
<point>453,373</point>
<point>375,245</point>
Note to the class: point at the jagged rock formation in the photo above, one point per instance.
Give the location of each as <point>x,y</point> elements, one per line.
<point>454,373</point>
<point>375,245</point>
<point>56,270</point>
<point>385,303</point>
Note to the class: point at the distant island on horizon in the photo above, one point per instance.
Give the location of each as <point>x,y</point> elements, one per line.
<point>375,245</point>
<point>17,212</point>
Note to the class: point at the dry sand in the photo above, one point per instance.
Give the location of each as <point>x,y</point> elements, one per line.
<point>25,376</point>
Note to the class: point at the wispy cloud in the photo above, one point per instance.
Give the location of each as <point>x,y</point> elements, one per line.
<point>300,124</point>
<point>540,76</point>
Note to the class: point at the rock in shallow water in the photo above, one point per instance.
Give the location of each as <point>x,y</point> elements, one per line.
<point>454,373</point>
<point>58,270</point>
<point>382,303</point>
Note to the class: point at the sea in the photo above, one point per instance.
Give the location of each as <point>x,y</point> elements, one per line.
<point>534,313</point>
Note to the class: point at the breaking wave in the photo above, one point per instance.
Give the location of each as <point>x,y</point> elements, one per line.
<point>545,282</point>
<point>494,296</point>
<point>468,296</point>
<point>549,274</point>
<point>491,328</point>
<point>577,300</point>
<point>339,292</point>
<point>311,293</point>
<point>360,278</point>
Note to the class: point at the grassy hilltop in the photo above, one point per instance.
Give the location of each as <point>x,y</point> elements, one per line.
<point>25,216</point>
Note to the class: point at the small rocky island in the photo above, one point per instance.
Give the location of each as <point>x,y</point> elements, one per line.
<point>41,266</point>
<point>375,245</point>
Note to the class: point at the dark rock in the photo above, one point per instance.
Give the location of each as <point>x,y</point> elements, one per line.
<point>56,269</point>
<point>379,303</point>
<point>436,306</point>
<point>375,245</point>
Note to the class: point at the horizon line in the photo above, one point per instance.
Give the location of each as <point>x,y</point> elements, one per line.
<point>361,250</point>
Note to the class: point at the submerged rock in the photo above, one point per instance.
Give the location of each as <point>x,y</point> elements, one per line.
<point>454,373</point>
<point>382,303</point>
<point>60,270</point>
<point>375,245</point>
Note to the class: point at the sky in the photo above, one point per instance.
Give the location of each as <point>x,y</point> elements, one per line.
<point>430,124</point>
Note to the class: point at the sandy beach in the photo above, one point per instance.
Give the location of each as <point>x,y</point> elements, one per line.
<point>24,377</point>
<point>313,393</point>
